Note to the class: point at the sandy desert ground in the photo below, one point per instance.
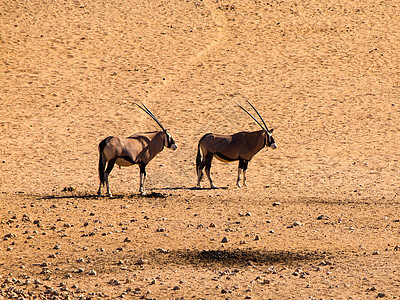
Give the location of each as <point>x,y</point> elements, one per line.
<point>320,216</point>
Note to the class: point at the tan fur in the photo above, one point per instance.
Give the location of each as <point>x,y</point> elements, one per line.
<point>126,151</point>
<point>241,147</point>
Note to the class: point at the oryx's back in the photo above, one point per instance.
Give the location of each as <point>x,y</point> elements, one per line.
<point>215,142</point>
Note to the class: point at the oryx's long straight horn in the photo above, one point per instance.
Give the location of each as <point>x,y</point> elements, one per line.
<point>251,116</point>
<point>146,110</point>
<point>266,128</point>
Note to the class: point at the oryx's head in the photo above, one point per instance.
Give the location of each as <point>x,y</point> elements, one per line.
<point>169,141</point>
<point>268,139</point>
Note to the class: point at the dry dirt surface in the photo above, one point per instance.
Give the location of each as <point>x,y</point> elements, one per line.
<point>320,216</point>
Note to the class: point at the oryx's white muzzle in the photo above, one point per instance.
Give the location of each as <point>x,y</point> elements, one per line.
<point>273,146</point>
<point>174,147</point>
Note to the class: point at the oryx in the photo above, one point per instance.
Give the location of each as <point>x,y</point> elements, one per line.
<point>241,146</point>
<point>137,149</point>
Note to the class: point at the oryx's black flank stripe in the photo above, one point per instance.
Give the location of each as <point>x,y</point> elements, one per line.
<point>220,155</point>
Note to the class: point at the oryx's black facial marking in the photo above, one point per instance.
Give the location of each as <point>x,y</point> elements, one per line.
<point>270,140</point>
<point>170,143</point>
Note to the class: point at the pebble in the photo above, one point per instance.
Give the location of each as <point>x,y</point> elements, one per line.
<point>224,240</point>
<point>140,262</point>
<point>381,295</point>
<point>92,272</point>
<point>276,203</point>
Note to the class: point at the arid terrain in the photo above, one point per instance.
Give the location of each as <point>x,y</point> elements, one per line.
<point>320,218</point>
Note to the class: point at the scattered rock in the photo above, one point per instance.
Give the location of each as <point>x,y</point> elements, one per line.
<point>141,261</point>
<point>114,282</point>
<point>276,204</point>
<point>381,295</point>
<point>92,272</point>
<point>224,240</point>
<point>68,189</point>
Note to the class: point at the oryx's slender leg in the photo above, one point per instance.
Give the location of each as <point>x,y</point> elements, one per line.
<point>199,175</point>
<point>242,168</point>
<point>206,161</point>
<point>208,169</point>
<point>142,178</point>
<point>110,166</point>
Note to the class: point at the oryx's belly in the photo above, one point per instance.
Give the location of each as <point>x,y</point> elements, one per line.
<point>223,158</point>
<point>123,163</point>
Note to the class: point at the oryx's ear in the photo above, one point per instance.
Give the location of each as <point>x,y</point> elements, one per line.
<point>272,130</point>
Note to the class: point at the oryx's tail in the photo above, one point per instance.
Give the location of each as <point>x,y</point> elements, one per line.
<point>102,159</point>
<point>198,157</point>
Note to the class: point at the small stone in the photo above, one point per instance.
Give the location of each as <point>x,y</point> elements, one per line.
<point>176,288</point>
<point>224,240</point>
<point>114,282</point>
<point>381,295</point>
<point>92,272</point>
<point>276,203</point>
<point>127,240</point>
<point>375,253</point>
<point>257,237</point>
<point>140,262</point>
<point>212,225</point>
<point>266,281</point>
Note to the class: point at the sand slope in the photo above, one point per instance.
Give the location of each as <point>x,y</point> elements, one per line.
<point>324,75</point>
